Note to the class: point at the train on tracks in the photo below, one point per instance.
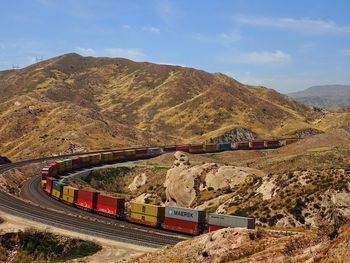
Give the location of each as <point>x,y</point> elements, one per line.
<point>179,219</point>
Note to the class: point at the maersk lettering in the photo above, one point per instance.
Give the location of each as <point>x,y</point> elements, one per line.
<point>183,213</point>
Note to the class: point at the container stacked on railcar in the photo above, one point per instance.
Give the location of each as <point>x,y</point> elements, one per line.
<point>70,195</point>
<point>87,199</point>
<point>185,220</point>
<point>256,145</point>
<point>146,214</point>
<point>218,221</point>
<point>110,205</point>
<point>196,148</point>
<point>57,189</point>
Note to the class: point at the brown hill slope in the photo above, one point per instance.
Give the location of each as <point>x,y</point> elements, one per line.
<point>71,102</point>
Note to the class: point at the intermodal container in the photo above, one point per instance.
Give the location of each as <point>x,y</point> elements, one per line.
<point>210,147</point>
<point>49,171</point>
<point>85,160</point>
<point>43,183</point>
<point>145,219</point>
<point>183,226</point>
<point>48,185</point>
<point>107,157</point>
<point>55,193</point>
<point>183,148</point>
<point>217,221</point>
<point>118,155</point>
<point>76,163</point>
<point>70,191</point>
<point>142,152</point>
<point>45,173</point>
<point>196,148</point>
<point>242,145</point>
<point>256,145</point>
<point>68,164</point>
<point>70,194</point>
<point>185,214</point>
<point>87,198</point>
<point>60,167</point>
<point>110,205</point>
<point>225,146</point>
<point>130,154</point>
<point>154,151</point>
<point>57,185</point>
<point>95,159</point>
<point>169,148</point>
<point>69,199</point>
<point>147,209</point>
<point>272,144</point>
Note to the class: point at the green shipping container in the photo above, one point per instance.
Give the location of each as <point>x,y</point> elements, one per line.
<point>57,185</point>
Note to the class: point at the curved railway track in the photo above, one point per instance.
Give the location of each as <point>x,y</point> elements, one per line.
<point>54,213</point>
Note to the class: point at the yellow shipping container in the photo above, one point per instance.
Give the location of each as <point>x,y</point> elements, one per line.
<point>70,191</point>
<point>43,182</point>
<point>106,157</point>
<point>210,147</point>
<point>146,209</point>
<point>146,218</point>
<point>95,158</point>
<point>68,199</point>
<point>56,193</point>
<point>85,159</point>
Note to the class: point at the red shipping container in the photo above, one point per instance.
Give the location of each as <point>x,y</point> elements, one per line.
<point>257,145</point>
<point>183,148</point>
<point>87,198</point>
<point>188,227</point>
<point>169,148</point>
<point>214,228</point>
<point>49,183</point>
<point>110,205</point>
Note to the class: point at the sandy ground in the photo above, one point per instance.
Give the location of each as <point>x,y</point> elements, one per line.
<point>111,252</point>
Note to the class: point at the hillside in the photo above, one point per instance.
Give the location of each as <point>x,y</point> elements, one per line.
<point>324,96</point>
<point>72,103</point>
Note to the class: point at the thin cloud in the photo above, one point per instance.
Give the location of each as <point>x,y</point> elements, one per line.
<point>230,38</point>
<point>150,29</point>
<point>126,26</point>
<point>302,24</point>
<point>133,54</point>
<point>345,52</point>
<point>263,57</point>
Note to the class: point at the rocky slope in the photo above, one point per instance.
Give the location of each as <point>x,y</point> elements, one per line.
<point>241,245</point>
<point>72,103</point>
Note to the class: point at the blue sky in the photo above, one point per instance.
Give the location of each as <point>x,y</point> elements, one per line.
<point>285,45</point>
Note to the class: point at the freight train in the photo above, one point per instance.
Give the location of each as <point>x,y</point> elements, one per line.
<point>184,220</point>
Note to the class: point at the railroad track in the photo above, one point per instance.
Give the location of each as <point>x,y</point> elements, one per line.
<point>54,213</point>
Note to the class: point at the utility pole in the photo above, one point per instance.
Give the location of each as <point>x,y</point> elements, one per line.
<point>15,66</point>
<point>38,59</point>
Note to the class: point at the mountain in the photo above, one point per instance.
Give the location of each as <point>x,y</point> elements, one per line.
<point>324,96</point>
<point>71,103</point>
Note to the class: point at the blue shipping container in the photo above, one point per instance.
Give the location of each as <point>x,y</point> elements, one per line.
<point>224,146</point>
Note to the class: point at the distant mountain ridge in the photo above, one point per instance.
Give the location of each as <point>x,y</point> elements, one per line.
<point>324,96</point>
